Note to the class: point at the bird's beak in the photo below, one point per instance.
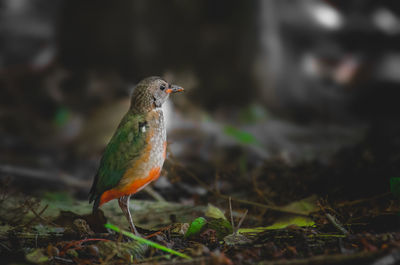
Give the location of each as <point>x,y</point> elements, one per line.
<point>174,89</point>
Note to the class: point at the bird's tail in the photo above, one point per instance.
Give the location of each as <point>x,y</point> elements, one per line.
<point>96,204</point>
<point>93,196</point>
<point>96,200</point>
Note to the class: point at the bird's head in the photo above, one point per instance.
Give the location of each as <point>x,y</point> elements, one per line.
<point>151,93</point>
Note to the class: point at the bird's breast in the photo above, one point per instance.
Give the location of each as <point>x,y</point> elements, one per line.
<point>157,139</point>
<point>147,167</point>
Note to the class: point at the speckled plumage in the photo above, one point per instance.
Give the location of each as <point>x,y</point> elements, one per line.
<point>153,155</point>
<point>135,154</point>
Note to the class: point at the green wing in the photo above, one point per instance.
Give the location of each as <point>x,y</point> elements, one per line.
<point>125,145</point>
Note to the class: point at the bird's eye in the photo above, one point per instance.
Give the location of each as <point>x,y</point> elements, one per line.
<point>162,87</point>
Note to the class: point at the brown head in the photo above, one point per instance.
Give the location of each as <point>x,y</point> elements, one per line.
<point>151,93</point>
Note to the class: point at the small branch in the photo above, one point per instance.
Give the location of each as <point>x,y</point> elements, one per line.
<point>364,200</point>
<point>38,216</point>
<point>4,246</point>
<point>230,211</point>
<point>54,177</point>
<point>241,220</point>
<point>337,224</point>
<point>154,194</point>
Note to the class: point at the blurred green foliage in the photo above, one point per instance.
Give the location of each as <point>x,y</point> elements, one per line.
<point>240,136</point>
<point>253,113</point>
<point>395,186</point>
<point>61,116</point>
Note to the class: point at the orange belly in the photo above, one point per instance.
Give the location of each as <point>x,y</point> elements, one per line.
<point>131,188</point>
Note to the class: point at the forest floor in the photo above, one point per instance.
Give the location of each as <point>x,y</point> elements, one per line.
<point>282,215</point>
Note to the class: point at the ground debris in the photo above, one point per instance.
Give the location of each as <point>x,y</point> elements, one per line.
<point>74,238</point>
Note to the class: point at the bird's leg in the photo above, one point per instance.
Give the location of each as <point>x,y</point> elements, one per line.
<point>124,205</point>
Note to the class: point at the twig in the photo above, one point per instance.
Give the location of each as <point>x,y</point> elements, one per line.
<point>194,261</point>
<point>41,218</point>
<point>337,224</point>
<point>352,203</point>
<point>38,216</point>
<point>154,194</point>
<point>79,242</point>
<point>241,221</point>
<point>59,177</point>
<point>163,229</point>
<point>63,260</point>
<point>4,246</point>
<point>230,211</point>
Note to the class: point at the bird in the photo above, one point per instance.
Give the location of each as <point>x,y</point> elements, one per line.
<point>136,152</point>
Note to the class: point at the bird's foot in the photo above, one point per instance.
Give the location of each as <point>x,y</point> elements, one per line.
<point>134,231</point>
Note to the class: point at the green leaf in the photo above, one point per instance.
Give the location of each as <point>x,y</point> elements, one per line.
<point>280,224</point>
<point>395,186</point>
<point>145,241</point>
<point>240,136</point>
<point>221,226</point>
<point>214,212</point>
<point>296,220</point>
<point>196,226</point>
<point>37,256</point>
<point>304,206</point>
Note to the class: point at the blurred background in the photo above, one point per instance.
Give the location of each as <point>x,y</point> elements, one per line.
<point>281,97</point>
